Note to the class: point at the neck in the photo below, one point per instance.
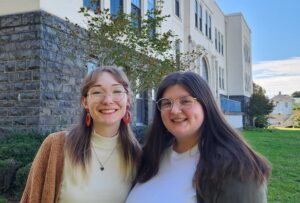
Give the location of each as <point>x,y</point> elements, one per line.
<point>106,131</point>
<point>181,146</point>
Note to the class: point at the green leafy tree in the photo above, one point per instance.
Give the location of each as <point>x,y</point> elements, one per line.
<point>296,119</point>
<point>129,41</point>
<point>296,94</point>
<point>260,106</point>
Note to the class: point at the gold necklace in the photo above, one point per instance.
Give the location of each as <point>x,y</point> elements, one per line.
<point>102,164</point>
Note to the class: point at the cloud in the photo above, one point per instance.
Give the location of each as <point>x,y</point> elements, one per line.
<point>279,75</point>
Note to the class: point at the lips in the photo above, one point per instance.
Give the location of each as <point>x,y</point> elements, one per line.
<point>178,120</point>
<point>107,111</point>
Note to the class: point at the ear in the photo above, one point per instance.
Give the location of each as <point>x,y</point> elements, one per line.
<point>84,102</point>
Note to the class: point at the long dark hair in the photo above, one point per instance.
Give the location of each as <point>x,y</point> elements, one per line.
<point>78,146</point>
<point>223,152</point>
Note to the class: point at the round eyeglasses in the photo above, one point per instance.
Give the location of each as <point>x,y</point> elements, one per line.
<point>165,104</point>
<point>97,94</point>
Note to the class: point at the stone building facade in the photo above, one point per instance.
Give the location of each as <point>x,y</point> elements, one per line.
<point>40,72</point>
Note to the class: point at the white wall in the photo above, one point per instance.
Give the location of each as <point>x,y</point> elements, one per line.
<point>235,54</point>
<point>8,7</point>
<point>283,107</point>
<point>236,121</point>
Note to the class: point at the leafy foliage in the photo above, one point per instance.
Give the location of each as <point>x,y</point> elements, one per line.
<point>134,43</point>
<point>20,148</point>
<point>260,106</point>
<point>296,94</point>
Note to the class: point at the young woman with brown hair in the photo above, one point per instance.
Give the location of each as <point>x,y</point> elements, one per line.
<point>191,154</point>
<point>96,160</point>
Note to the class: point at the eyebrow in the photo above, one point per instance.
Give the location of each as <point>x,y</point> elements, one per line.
<point>117,84</point>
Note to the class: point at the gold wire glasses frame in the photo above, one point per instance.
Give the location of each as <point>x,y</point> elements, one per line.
<point>99,95</point>
<point>185,102</point>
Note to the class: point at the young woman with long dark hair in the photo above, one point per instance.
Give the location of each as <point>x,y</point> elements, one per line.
<point>96,160</point>
<point>191,154</point>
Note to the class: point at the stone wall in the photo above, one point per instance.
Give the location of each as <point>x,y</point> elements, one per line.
<point>41,69</point>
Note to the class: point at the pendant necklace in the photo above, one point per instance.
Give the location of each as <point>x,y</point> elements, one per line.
<point>102,163</point>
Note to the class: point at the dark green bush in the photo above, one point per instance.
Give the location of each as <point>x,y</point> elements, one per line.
<point>20,147</point>
<point>21,176</point>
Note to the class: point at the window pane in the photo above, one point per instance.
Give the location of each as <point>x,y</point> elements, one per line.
<point>116,6</point>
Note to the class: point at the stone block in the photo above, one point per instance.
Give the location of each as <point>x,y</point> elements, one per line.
<point>29,95</point>
<point>10,66</point>
<point>34,120</point>
<point>3,112</point>
<point>23,76</point>
<point>48,96</point>
<point>20,120</point>
<point>4,77</point>
<point>11,21</point>
<point>20,65</point>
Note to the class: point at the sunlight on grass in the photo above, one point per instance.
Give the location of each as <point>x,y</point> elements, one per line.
<point>282,149</point>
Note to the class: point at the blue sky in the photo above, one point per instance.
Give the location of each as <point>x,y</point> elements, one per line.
<point>275,33</point>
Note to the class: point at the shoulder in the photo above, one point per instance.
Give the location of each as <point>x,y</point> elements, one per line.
<point>55,138</point>
<point>53,142</point>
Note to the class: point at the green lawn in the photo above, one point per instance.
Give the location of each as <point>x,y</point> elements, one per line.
<point>282,149</point>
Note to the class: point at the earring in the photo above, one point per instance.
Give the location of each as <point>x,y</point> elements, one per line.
<point>127,117</point>
<point>88,118</point>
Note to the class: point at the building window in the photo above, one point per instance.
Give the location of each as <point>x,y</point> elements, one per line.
<point>151,9</point>
<point>209,27</point>
<point>90,4</point>
<point>116,6</point>
<point>216,38</point>
<point>222,44</point>
<point>219,42</point>
<point>223,76</point>
<point>142,108</point>
<point>90,66</point>
<point>136,13</point>
<point>200,17</point>
<point>220,78</point>
<point>206,24</point>
<point>204,70</point>
<point>196,14</point>
<point>177,8</point>
<point>177,53</point>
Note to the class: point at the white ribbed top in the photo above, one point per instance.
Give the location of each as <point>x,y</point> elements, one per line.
<point>109,185</point>
<point>172,183</point>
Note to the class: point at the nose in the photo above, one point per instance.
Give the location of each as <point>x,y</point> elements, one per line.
<point>107,98</point>
<point>176,107</point>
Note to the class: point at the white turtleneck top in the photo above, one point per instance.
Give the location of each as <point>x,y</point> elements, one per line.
<point>109,185</point>
<point>172,183</point>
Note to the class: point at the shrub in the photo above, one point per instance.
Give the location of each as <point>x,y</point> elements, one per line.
<point>21,177</point>
<point>20,147</point>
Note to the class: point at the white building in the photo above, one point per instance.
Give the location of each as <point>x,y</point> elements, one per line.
<point>283,109</point>
<point>225,41</point>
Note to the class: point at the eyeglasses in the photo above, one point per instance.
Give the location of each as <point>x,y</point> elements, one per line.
<point>185,102</point>
<point>98,94</point>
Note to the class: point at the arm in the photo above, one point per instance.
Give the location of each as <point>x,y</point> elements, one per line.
<point>235,191</point>
<point>34,186</point>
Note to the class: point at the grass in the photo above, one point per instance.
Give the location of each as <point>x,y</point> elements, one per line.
<point>282,149</point>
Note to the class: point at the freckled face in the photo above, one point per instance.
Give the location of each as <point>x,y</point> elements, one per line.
<point>184,124</point>
<point>105,110</point>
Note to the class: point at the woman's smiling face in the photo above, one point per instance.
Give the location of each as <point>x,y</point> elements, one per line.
<point>183,123</point>
<point>106,101</point>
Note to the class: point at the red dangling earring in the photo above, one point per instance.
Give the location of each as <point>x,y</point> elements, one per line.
<point>88,118</point>
<point>127,117</point>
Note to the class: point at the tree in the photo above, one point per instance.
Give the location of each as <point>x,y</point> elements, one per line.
<point>130,41</point>
<point>296,94</point>
<point>260,106</point>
